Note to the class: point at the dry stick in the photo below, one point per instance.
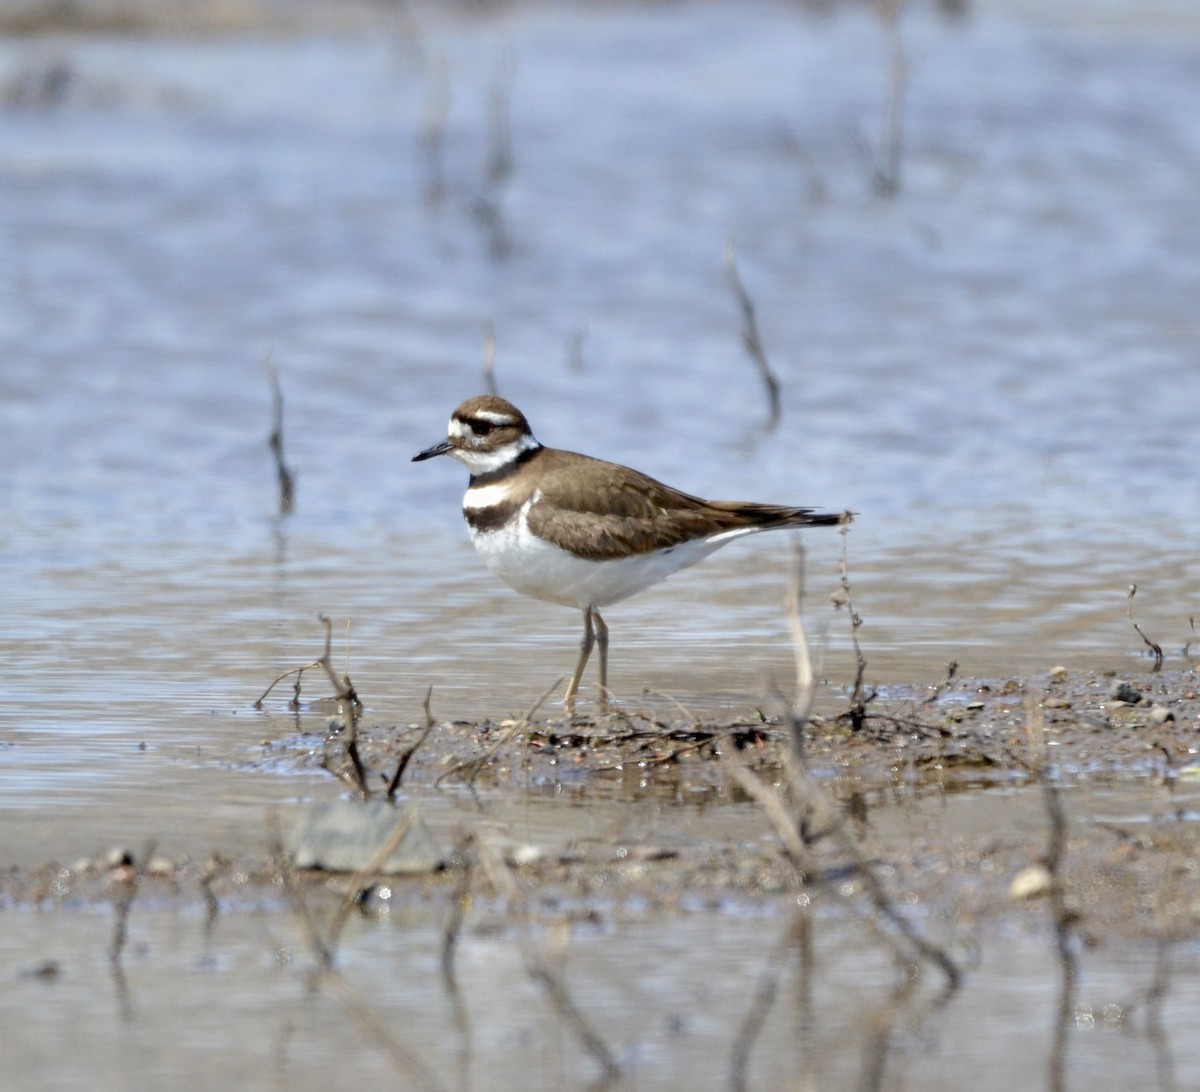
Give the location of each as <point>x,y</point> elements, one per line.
<point>287,480</point>
<point>1156,649</point>
<point>750,337</point>
<point>405,758</point>
<point>489,357</point>
<point>298,672</point>
<point>475,765</point>
<point>811,799</point>
<point>858,699</point>
<point>936,692</point>
<point>349,705</point>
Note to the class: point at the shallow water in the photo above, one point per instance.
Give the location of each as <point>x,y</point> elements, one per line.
<point>995,369</point>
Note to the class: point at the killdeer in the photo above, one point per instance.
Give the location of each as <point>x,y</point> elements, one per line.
<point>583,532</point>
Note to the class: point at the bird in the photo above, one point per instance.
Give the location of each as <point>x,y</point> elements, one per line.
<point>583,532</point>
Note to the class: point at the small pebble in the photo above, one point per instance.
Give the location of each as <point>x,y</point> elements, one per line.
<point>1122,691</point>
<point>1031,883</point>
<point>1160,714</point>
<point>1057,674</point>
<point>525,855</point>
<point>46,971</point>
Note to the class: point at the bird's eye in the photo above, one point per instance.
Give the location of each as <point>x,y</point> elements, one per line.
<point>482,428</point>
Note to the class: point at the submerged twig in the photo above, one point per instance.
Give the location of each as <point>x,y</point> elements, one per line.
<point>500,158</point>
<point>751,339</point>
<point>885,164</point>
<point>124,878</point>
<point>287,480</point>
<point>571,1015</point>
<point>489,357</point>
<point>487,206</point>
<point>1064,918</point>
<point>1156,649</point>
<point>325,976</point>
<point>432,135</point>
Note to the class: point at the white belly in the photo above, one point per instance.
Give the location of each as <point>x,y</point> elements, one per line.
<point>535,568</point>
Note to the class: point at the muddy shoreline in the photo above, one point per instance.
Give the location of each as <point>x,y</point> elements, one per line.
<point>1130,878</point>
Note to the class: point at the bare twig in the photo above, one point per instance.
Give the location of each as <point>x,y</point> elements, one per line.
<point>1156,649</point>
<point>811,804</point>
<point>348,704</point>
<point>751,339</point>
<point>859,699</point>
<point>936,692</point>
<point>405,758</point>
<point>287,480</point>
<point>506,736</point>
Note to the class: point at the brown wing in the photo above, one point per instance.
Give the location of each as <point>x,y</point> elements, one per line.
<point>600,510</point>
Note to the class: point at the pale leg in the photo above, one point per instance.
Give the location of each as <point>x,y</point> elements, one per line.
<point>602,641</point>
<point>585,650</point>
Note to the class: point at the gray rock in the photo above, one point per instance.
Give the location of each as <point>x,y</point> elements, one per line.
<point>347,836</point>
<point>1122,691</point>
<point>1160,714</point>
